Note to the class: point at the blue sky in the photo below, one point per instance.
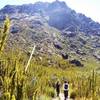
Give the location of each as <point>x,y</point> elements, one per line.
<point>90,8</point>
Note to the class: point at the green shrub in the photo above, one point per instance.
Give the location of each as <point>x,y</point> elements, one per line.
<point>73,95</point>
<point>50,91</point>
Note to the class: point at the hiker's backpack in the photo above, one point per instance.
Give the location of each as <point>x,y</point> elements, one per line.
<point>65,86</point>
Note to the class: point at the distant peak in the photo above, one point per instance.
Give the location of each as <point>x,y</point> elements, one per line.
<point>57,0</point>
<point>58,4</point>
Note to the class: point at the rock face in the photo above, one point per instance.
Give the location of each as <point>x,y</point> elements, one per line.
<point>55,28</point>
<point>15,29</point>
<point>59,15</point>
<point>58,45</point>
<point>97,55</point>
<point>76,62</point>
<point>64,56</point>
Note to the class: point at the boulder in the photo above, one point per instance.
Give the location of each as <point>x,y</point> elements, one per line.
<point>15,29</point>
<point>64,56</point>
<point>76,62</point>
<point>58,46</point>
<point>80,52</point>
<point>97,56</point>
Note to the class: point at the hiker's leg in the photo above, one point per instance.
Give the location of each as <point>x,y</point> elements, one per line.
<point>64,95</point>
<point>67,94</point>
<point>58,91</point>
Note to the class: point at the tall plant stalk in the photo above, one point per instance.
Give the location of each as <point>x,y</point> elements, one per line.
<point>4,34</point>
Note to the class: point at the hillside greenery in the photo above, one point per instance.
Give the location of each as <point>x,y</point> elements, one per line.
<point>39,80</point>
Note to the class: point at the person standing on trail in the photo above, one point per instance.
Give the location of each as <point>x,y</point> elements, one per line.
<point>66,88</point>
<point>57,88</point>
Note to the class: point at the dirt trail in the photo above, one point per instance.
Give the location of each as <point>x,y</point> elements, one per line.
<point>61,97</point>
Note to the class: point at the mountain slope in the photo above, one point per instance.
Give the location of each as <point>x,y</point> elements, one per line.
<point>60,16</point>
<point>55,28</point>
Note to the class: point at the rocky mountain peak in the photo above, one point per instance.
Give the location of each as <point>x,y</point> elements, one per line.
<point>58,4</point>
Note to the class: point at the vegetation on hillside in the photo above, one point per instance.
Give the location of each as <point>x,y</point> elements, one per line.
<point>39,80</point>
